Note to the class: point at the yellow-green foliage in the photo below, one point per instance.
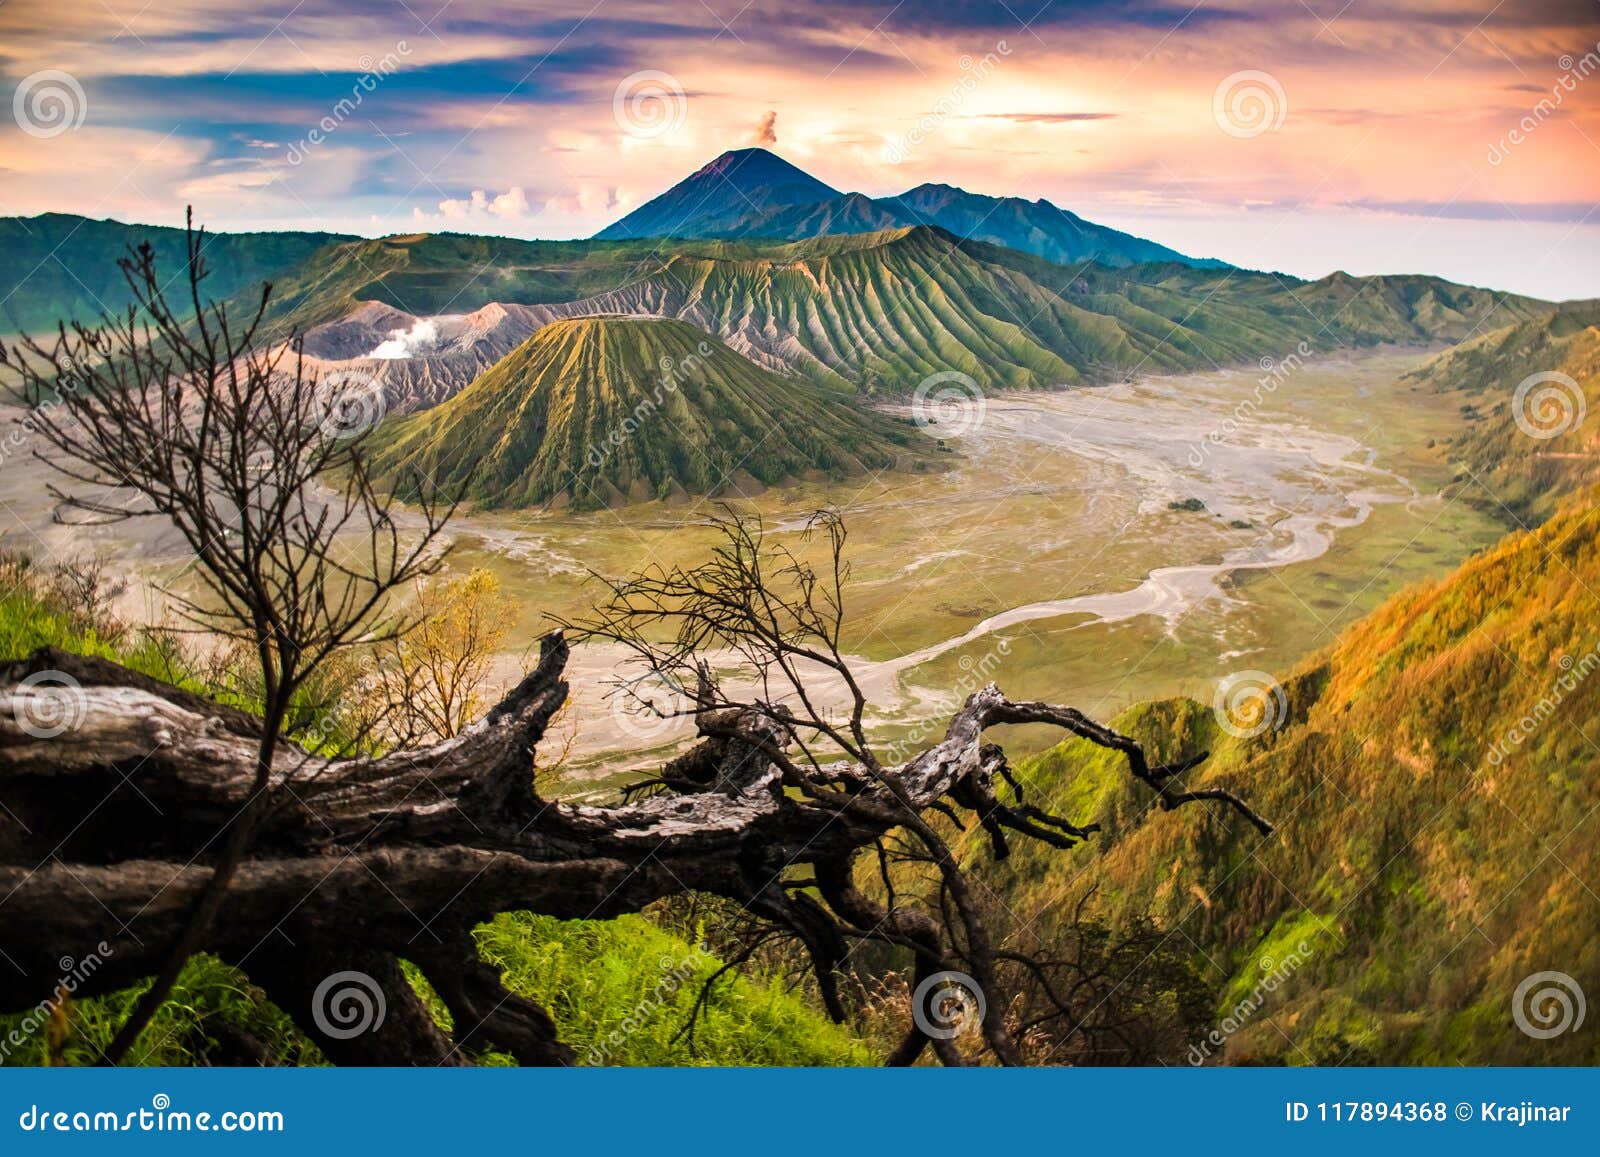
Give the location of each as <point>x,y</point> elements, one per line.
<point>1430,869</point>
<point>622,991</point>
<point>619,990</point>
<point>215,1016</point>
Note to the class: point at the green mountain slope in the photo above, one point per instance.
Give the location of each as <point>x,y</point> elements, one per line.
<point>59,266</point>
<point>435,273</point>
<point>600,410</point>
<point>1436,782</point>
<point>879,312</point>
<point>882,311</point>
<point>1519,457</point>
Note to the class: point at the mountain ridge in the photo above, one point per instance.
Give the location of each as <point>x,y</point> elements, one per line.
<point>736,183</point>
<point>876,313</point>
<point>700,207</point>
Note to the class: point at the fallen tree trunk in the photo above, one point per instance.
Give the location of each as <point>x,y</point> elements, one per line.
<point>108,829</point>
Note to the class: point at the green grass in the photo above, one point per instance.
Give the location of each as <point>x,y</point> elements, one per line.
<point>620,990</point>
<point>1428,873</point>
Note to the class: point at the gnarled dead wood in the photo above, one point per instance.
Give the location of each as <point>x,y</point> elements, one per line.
<point>108,828</point>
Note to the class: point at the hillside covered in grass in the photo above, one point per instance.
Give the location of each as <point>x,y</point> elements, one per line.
<point>875,312</point>
<point>880,312</point>
<point>1436,784</point>
<point>595,411</point>
<point>1518,456</point>
<point>58,266</point>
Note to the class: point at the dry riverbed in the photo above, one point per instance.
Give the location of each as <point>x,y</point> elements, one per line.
<point>1094,546</point>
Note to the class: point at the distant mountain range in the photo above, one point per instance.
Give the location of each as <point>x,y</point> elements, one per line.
<point>872,313</point>
<point>849,310</point>
<point>754,194</point>
<point>57,266</point>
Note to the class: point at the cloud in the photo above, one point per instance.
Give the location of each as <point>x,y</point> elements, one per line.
<point>1044,118</point>
<point>512,205</point>
<point>1463,210</point>
<point>588,199</point>
<point>766,133</point>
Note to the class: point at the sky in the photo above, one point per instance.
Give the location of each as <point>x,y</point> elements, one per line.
<point>1453,137</point>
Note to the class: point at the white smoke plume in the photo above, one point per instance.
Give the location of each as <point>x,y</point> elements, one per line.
<point>407,343</point>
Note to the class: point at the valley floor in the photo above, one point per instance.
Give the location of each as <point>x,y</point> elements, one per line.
<point>1098,546</point>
